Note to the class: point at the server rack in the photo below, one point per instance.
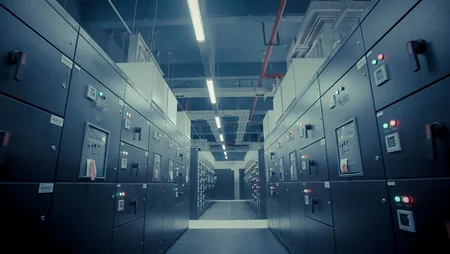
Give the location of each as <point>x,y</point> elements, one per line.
<point>255,184</point>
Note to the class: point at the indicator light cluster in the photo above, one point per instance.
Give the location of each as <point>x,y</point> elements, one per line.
<point>124,152</point>
<point>392,123</point>
<point>402,199</point>
<point>128,114</point>
<point>121,194</point>
<point>380,57</point>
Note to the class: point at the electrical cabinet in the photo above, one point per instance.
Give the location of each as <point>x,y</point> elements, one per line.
<point>352,146</point>
<point>28,62</point>
<point>169,233</point>
<point>129,238</point>
<point>313,162</point>
<point>285,220</point>
<point>153,241</point>
<point>374,28</point>
<point>76,207</point>
<point>317,199</point>
<point>130,202</point>
<point>132,164</point>
<point>421,215</point>
<point>93,60</point>
<point>135,128</point>
<point>414,134</point>
<point>362,219</point>
<point>137,102</point>
<point>345,58</point>
<point>91,132</point>
<point>308,98</point>
<point>157,153</point>
<point>274,202</point>
<point>406,59</point>
<point>26,215</point>
<point>297,218</point>
<point>319,237</point>
<point>28,152</point>
<point>59,31</point>
<point>310,126</point>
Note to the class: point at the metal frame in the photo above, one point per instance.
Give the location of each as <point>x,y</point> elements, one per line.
<point>85,139</point>
<point>357,146</point>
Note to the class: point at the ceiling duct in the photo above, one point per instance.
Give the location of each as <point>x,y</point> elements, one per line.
<point>323,27</point>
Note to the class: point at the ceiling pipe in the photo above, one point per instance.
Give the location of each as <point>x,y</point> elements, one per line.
<point>276,25</point>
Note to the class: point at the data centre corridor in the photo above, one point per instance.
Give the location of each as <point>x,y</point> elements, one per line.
<point>228,227</point>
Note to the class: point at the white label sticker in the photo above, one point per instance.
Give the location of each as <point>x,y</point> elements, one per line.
<point>77,67</point>
<point>119,185</point>
<point>124,163</point>
<point>121,103</point>
<point>369,54</point>
<point>56,120</point>
<point>322,142</point>
<point>381,113</point>
<point>144,186</point>
<point>361,63</point>
<point>46,188</point>
<point>66,61</point>
<point>390,183</point>
<point>327,185</point>
<point>146,153</point>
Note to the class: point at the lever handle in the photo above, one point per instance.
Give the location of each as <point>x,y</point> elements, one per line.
<point>433,131</point>
<point>19,58</point>
<point>139,131</point>
<point>307,127</point>
<point>415,48</point>
<point>4,141</point>
<point>136,166</point>
<point>135,204</point>
<point>313,202</point>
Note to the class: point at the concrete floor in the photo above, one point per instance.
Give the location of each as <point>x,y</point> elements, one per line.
<point>209,236</point>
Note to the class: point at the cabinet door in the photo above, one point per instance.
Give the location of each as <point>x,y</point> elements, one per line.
<point>320,237</point>
<point>135,128</point>
<point>132,164</point>
<point>414,134</point>
<point>130,202</point>
<point>318,202</point>
<point>313,162</point>
<point>414,54</point>
<point>129,238</point>
<point>297,217</point>
<point>153,241</point>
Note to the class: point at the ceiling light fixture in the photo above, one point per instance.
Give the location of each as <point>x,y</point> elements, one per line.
<point>225,153</point>
<point>218,124</point>
<point>212,94</point>
<point>221,138</point>
<point>223,147</point>
<point>196,17</point>
<point>226,157</point>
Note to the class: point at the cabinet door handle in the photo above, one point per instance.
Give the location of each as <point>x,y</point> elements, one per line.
<point>313,202</point>
<point>139,131</point>
<point>433,131</point>
<point>134,203</point>
<point>136,166</point>
<point>307,128</point>
<point>415,48</point>
<point>19,58</point>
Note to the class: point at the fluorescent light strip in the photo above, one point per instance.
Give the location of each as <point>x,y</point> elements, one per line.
<point>212,94</point>
<point>225,153</point>
<point>221,138</point>
<point>223,147</point>
<point>196,17</point>
<point>219,126</point>
<point>226,157</point>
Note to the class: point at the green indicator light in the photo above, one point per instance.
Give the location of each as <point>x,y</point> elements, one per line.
<point>385,125</point>
<point>397,199</point>
<point>374,61</point>
<point>100,93</point>
<point>337,92</point>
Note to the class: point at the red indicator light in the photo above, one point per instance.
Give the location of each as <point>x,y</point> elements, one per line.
<point>406,200</point>
<point>126,153</point>
<point>342,88</point>
<point>123,194</point>
<point>393,123</point>
<point>380,56</point>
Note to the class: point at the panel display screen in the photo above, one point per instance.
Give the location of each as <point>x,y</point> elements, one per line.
<point>157,167</point>
<point>293,168</point>
<point>170,170</point>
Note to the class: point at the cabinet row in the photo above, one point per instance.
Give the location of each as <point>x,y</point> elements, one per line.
<point>94,218</point>
<point>402,216</point>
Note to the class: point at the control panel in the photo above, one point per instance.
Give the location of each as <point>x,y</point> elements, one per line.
<point>281,168</point>
<point>156,167</point>
<point>406,220</point>
<point>97,97</point>
<point>95,153</point>
<point>349,154</point>
<point>171,170</point>
<point>293,165</point>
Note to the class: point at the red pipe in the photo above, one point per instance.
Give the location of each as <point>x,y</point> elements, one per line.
<point>276,25</point>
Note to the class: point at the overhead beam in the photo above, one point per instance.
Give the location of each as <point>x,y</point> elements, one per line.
<point>223,92</point>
